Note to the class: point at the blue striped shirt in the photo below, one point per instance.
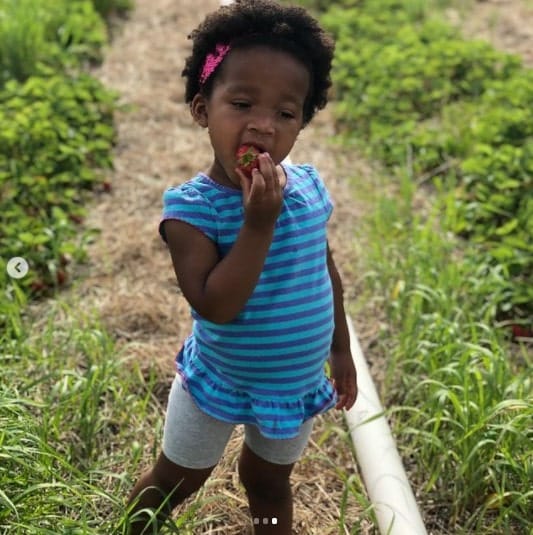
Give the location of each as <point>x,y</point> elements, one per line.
<point>266,367</point>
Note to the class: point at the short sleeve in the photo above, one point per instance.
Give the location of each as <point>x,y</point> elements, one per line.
<point>186,203</point>
<point>323,193</point>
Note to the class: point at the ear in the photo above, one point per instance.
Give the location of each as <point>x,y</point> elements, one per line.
<point>199,110</point>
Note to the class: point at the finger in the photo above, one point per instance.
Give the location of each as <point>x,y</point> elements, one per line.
<point>341,401</point>
<point>350,401</point>
<point>245,182</point>
<point>349,404</point>
<point>268,170</point>
<point>347,393</point>
<point>258,185</point>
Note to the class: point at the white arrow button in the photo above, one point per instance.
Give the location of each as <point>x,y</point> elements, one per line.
<point>17,267</point>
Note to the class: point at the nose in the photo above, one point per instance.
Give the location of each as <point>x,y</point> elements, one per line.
<point>262,122</point>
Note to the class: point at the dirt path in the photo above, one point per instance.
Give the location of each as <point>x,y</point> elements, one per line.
<point>129,278</point>
<point>507,24</point>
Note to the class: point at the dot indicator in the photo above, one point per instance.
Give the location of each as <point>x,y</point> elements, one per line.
<point>265,521</point>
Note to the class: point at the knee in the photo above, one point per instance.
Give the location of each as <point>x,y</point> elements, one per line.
<point>269,486</point>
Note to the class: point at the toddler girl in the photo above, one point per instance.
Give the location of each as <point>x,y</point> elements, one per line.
<point>251,257</point>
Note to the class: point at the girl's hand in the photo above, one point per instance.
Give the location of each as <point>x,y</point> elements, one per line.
<point>344,379</point>
<point>263,194</point>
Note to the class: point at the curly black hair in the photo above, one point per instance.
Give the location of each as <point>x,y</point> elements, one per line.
<point>247,23</point>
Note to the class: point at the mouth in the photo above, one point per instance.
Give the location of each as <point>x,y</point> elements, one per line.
<point>258,146</point>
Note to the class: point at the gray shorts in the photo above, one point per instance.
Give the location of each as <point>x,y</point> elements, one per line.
<point>194,439</point>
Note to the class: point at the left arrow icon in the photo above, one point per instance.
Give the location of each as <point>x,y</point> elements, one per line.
<point>17,267</point>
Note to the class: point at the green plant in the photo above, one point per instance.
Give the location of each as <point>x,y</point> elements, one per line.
<point>79,31</point>
<point>107,7</point>
<point>484,151</point>
<point>411,78</point>
<point>463,400</point>
<point>415,94</point>
<point>70,413</point>
<point>21,39</point>
<point>55,134</point>
<point>57,34</point>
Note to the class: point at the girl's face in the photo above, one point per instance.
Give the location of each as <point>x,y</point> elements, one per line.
<point>257,99</point>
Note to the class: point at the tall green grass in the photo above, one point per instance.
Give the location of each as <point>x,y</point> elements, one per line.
<point>22,38</point>
<point>461,390</point>
<point>77,419</point>
<point>73,414</point>
<point>56,33</point>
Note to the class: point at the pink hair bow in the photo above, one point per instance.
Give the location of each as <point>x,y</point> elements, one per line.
<point>212,61</point>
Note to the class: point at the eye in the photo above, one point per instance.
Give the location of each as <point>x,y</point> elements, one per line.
<point>286,114</point>
<point>240,104</point>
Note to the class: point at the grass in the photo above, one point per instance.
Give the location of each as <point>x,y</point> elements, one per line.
<point>459,390</point>
<point>50,428</point>
<point>73,416</point>
<point>22,38</point>
<point>79,421</point>
<point>53,33</point>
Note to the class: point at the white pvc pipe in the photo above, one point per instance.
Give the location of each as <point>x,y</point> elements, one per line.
<point>380,463</point>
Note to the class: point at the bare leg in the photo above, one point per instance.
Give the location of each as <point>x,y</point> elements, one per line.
<point>166,483</point>
<point>269,493</point>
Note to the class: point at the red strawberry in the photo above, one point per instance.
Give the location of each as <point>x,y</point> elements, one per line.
<point>247,159</point>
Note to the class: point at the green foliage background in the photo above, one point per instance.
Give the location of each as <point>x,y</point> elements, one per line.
<point>63,390</point>
<point>416,95</point>
<point>56,131</point>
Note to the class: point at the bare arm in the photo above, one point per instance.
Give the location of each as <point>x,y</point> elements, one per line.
<point>218,288</point>
<point>341,335</point>
<point>342,366</point>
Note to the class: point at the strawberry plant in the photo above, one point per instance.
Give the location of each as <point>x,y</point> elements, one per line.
<point>487,146</point>
<point>413,92</point>
<point>79,31</point>
<point>56,130</point>
<point>411,79</point>
<point>55,133</point>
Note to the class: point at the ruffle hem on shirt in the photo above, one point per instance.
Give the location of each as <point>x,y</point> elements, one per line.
<point>276,417</point>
